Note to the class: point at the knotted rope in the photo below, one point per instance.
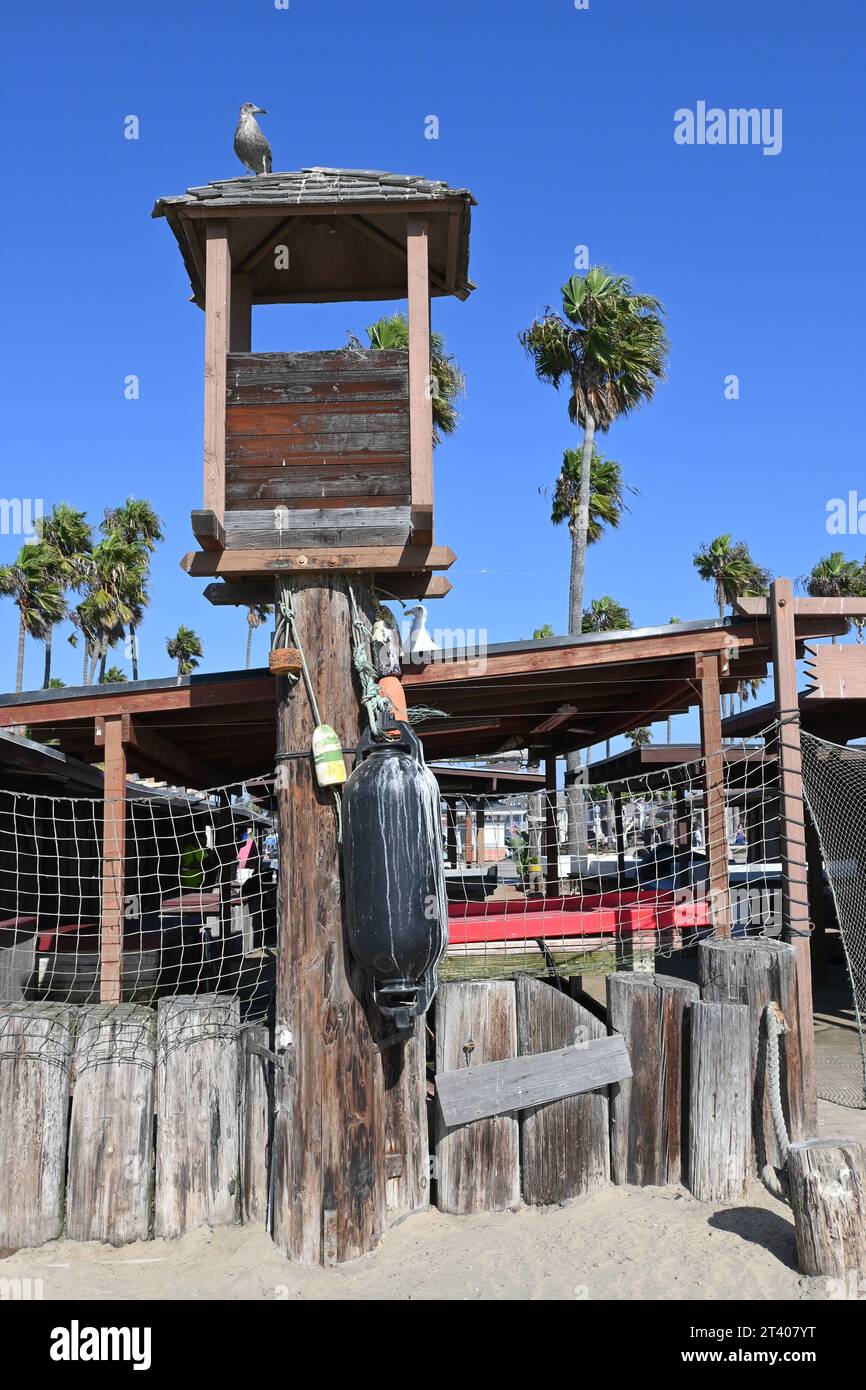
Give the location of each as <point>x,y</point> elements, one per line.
<point>776,1025</point>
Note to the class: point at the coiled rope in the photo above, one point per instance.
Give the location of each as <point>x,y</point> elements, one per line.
<point>775,1025</point>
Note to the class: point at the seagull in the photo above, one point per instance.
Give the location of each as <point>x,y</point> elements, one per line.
<point>420,644</point>
<point>251,147</point>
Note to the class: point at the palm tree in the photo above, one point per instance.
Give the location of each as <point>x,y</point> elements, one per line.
<point>836,577</point>
<point>605,615</point>
<point>112,599</point>
<point>729,567</point>
<point>257,616</point>
<point>392,333</point>
<point>606,498</point>
<point>67,534</point>
<point>640,737</point>
<point>31,582</point>
<point>137,523</point>
<point>186,649</point>
<point>115,675</point>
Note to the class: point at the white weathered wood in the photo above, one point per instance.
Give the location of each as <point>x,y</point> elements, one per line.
<point>110,1176</point>
<point>36,1042</point>
<point>479,1163</point>
<point>197,1143</point>
<point>828,1199</point>
<point>499,1088</point>
<point>255,1119</point>
<point>720,1110</point>
<point>407,1143</point>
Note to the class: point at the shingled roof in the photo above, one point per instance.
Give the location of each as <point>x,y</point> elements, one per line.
<point>316,186</point>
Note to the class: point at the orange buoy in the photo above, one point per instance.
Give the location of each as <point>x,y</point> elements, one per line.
<point>392,688</point>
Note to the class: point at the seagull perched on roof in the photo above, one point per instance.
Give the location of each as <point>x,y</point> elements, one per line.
<point>251,147</point>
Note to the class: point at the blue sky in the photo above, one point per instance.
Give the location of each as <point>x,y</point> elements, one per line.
<point>561,122</point>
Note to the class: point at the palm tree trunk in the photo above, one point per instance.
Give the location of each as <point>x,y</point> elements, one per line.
<point>46,674</point>
<point>573,773</point>
<point>86,670</point>
<point>19,674</point>
<point>102,660</point>
<point>133,643</point>
<point>249,645</point>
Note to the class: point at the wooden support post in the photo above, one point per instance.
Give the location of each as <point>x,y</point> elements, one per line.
<point>452,839</point>
<point>468,836</point>
<point>216,345</point>
<point>720,1110</point>
<point>708,671</point>
<point>565,1149</point>
<point>619,830</point>
<point>551,828</point>
<point>756,972</point>
<point>256,1114</point>
<point>828,1199</point>
<point>420,387</point>
<point>480,835</point>
<point>329,1147</point>
<point>648,1134</point>
<point>795,891</point>
<point>407,1143</point>
<point>817,907</point>
<point>109,733</point>
<point>110,1180</point>
<point>241,314</point>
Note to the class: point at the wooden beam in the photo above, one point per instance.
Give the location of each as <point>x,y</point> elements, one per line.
<point>113,861</point>
<point>216,345</point>
<point>708,673</point>
<point>420,388</point>
<point>795,889</point>
<point>241,314</point>
<point>218,695</point>
<point>280,234</point>
<point>257,563</point>
<point>396,249</point>
<point>161,752</point>
<point>805,607</point>
<point>208,530</point>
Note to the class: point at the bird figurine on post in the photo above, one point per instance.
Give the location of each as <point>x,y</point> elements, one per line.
<point>420,646</point>
<point>251,147</point>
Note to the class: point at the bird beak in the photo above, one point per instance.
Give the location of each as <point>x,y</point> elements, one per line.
<point>260,111</point>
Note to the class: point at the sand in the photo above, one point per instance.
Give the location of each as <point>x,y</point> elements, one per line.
<point>623,1243</point>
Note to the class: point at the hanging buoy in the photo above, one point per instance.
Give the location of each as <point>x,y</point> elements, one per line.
<point>396,907</point>
<point>392,688</point>
<point>328,757</point>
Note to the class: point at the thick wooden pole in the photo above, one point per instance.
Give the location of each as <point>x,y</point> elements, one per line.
<point>551,827</point>
<point>828,1199</point>
<point>216,344</point>
<point>241,314</point>
<point>109,733</point>
<point>708,671</point>
<point>420,392</point>
<point>795,890</point>
<point>720,1109</point>
<point>329,1144</point>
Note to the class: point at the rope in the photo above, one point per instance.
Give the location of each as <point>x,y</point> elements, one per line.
<point>775,1024</point>
<point>377,706</point>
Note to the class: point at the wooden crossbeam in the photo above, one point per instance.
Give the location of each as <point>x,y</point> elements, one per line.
<point>283,232</point>
<point>248,563</point>
<point>159,752</point>
<point>387,243</point>
<point>208,530</point>
<point>806,607</point>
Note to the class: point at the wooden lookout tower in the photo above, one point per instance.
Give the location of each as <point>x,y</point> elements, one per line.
<point>318,485</point>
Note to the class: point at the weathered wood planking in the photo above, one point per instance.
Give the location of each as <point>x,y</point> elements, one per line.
<point>720,1109</point>
<point>479,1163</point>
<point>377,484</point>
<point>197,1144</point>
<point>110,1177</point>
<point>648,1146</point>
<point>407,1145</point>
<point>36,1042</point>
<point>756,972</point>
<point>828,1199</point>
<point>256,1111</point>
<point>321,526</point>
<point>564,1146</point>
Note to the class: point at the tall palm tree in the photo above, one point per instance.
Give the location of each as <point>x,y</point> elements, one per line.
<point>68,536</point>
<point>835,577</point>
<point>729,567</point>
<point>111,599</point>
<point>448,381</point>
<point>257,616</point>
<point>606,497</point>
<point>186,649</point>
<point>31,582</point>
<point>640,737</point>
<point>137,523</point>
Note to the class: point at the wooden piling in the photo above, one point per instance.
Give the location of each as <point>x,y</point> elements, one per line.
<point>256,1118</point>
<point>478,1164</point>
<point>828,1199</point>
<point>755,972</point>
<point>197,1144</point>
<point>648,1133</point>
<point>720,1109</point>
<point>407,1143</point>
<point>36,1042</point>
<point>110,1176</point>
<point>564,1145</point>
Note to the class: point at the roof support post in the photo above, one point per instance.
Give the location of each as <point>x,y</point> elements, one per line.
<point>217,310</point>
<point>709,672</point>
<point>551,827</point>
<point>795,889</point>
<point>241,314</point>
<point>109,732</point>
<point>420,381</point>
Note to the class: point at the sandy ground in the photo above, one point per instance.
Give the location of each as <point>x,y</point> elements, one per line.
<point>624,1243</point>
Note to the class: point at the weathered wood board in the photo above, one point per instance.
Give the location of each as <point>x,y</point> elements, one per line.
<point>197,1147</point>
<point>564,1146</point>
<point>407,1143</point>
<point>360,525</point>
<point>648,1133</point>
<point>478,1163</point>
<point>36,1042</point>
<point>828,1199</point>
<point>720,1109</point>
<point>256,1113</point>
<point>110,1176</point>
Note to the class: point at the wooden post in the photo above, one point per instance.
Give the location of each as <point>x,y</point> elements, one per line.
<point>109,733</point>
<point>110,1180</point>
<point>329,1148</point>
<point>720,1110</point>
<point>817,909</point>
<point>708,672</point>
<point>218,270</point>
<point>648,1136</point>
<point>241,314</point>
<point>619,829</point>
<point>480,837</point>
<point>452,850</point>
<point>565,1149</point>
<point>407,1143</point>
<point>795,892</point>
<point>551,827</point>
<point>256,1110</point>
<point>828,1199</point>
<point>756,972</point>
<point>468,836</point>
<point>420,392</point>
